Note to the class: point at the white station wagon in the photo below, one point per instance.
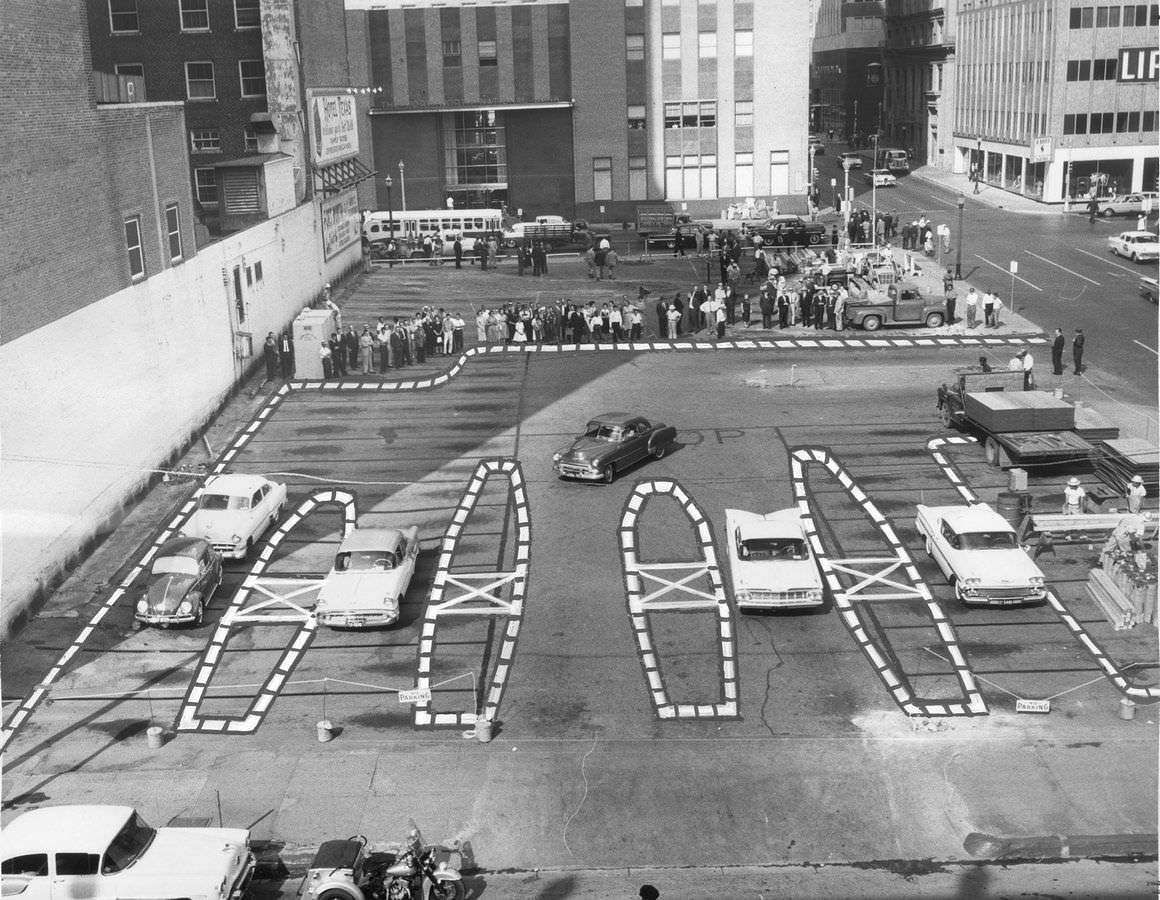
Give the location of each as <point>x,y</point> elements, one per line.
<point>109,852</point>
<point>771,561</point>
<point>234,512</point>
<point>371,573</point>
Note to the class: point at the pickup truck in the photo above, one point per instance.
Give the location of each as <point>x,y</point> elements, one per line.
<point>555,231</point>
<point>902,304</point>
<point>1021,434</point>
<point>658,226</point>
<point>978,552</point>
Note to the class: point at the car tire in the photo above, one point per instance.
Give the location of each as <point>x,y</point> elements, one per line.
<point>814,238</point>
<point>872,323</point>
<point>609,473</point>
<point>934,320</point>
<point>1107,213</point>
<point>336,894</point>
<point>658,452</point>
<point>249,548</point>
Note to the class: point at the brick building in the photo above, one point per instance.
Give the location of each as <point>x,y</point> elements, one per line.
<point>571,107</point>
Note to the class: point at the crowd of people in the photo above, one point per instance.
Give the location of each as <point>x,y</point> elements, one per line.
<point>382,345</point>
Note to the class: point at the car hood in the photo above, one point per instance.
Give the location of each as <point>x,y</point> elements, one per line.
<point>219,523</point>
<point>998,567</point>
<point>584,449</point>
<point>775,575</point>
<point>363,592</point>
<point>187,862</point>
<point>166,591</point>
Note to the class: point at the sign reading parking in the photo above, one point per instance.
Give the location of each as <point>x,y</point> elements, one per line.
<point>1139,64</point>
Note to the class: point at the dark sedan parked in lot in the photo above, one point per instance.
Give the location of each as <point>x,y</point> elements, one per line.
<point>610,444</point>
<point>790,231</point>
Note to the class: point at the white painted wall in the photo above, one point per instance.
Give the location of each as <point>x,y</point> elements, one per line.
<point>95,400</point>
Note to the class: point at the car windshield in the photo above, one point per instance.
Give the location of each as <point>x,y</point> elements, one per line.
<point>175,565</point>
<point>988,540</point>
<point>601,432</point>
<point>765,549</point>
<point>223,501</point>
<point>128,846</point>
<point>364,561</point>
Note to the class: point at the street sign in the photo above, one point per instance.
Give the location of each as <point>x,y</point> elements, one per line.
<point>1032,706</point>
<point>1014,267</point>
<point>419,695</point>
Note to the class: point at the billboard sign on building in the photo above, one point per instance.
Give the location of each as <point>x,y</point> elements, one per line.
<point>1138,64</point>
<point>341,222</point>
<point>334,127</point>
<point>1039,150</point>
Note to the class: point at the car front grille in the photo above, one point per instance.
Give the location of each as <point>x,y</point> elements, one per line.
<point>785,598</point>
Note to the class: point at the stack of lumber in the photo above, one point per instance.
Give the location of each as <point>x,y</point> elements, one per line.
<point>1123,458</point>
<point>1000,411</point>
<point>1092,426</point>
<point>1124,588</point>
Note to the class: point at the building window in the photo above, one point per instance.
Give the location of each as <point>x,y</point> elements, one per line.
<point>670,2</point>
<point>133,69</point>
<point>743,113</point>
<point>1075,123</point>
<point>249,139</point>
<point>743,174</point>
<point>634,46</point>
<point>199,84</point>
<point>487,54</point>
<point>708,117</point>
<point>123,17</point>
<point>247,14</point>
<point>1148,120</point>
<point>205,186</point>
<point>636,119</point>
<point>252,73</point>
<point>1082,17</point>
<point>688,115</point>
<point>634,2</point>
<point>778,172</point>
<point>707,45</point>
<point>690,177</point>
<point>672,115</point>
<point>671,45</point>
<point>452,54</point>
<point>602,178</point>
<point>743,43</point>
<point>194,15</point>
<point>205,140</point>
<point>638,178</point>
<point>1104,69</point>
<point>134,249</point>
<point>173,231</point>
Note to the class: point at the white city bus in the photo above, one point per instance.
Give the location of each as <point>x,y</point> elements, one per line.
<point>411,225</point>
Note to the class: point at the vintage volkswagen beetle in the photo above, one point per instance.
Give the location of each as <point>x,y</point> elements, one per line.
<point>185,573</point>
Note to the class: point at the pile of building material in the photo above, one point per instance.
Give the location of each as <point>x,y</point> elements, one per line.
<point>1093,426</point>
<point>1122,459</point>
<point>1001,411</point>
<point>1124,588</point>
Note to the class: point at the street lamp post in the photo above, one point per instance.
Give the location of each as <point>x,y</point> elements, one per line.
<point>874,196</point>
<point>389,182</point>
<point>961,202</point>
<point>402,188</point>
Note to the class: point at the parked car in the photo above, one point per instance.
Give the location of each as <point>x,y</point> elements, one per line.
<point>1138,246</point>
<point>235,510</point>
<point>109,852</point>
<point>817,144</point>
<point>185,573</point>
<point>771,562</point>
<point>978,552</point>
<point>1128,204</point>
<point>1149,289</point>
<point>881,178</point>
<point>370,576</point>
<point>612,442</point>
<point>851,159</point>
<point>788,230</point>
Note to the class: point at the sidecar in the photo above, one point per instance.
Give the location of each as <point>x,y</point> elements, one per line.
<point>340,871</point>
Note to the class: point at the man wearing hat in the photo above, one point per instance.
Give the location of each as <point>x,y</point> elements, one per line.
<point>1135,494</point>
<point>1073,498</point>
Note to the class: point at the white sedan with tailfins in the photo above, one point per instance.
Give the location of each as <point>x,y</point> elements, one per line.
<point>771,561</point>
<point>370,576</point>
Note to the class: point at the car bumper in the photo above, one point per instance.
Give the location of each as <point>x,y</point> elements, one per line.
<point>165,618</point>
<point>242,884</point>
<point>779,600</point>
<point>341,619</point>
<point>583,473</point>
<point>1002,596</point>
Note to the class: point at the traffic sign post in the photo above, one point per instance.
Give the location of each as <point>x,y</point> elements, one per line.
<point>1014,270</point>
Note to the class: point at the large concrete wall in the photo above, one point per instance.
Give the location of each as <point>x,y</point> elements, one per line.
<point>96,399</point>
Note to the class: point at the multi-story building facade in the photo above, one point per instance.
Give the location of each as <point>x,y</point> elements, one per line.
<point>846,68</point>
<point>1056,99</point>
<point>587,108</point>
<point>919,78</point>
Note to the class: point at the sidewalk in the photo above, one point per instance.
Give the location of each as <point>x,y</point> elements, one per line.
<point>990,194</point>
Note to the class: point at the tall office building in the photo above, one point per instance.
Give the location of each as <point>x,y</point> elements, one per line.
<point>590,107</point>
<point>1057,99</point>
<point>847,73</point>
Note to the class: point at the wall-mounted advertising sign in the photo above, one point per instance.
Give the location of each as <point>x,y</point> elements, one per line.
<point>1138,64</point>
<point>334,127</point>
<point>341,221</point>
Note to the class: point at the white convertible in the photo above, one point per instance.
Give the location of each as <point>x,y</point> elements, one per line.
<point>109,852</point>
<point>978,552</point>
<point>771,562</point>
<point>371,573</point>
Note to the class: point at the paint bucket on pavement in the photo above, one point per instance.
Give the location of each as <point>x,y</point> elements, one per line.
<point>483,729</point>
<point>155,737</point>
<point>1127,708</point>
<point>325,731</point>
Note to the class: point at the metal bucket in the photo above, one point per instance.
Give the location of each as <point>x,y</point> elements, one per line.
<point>155,737</point>
<point>483,730</point>
<point>1013,505</point>
<point>325,731</point>
<point>1127,708</point>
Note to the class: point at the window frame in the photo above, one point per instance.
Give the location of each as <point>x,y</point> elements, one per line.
<point>637,117</point>
<point>135,252</point>
<point>743,48</point>
<point>205,140</point>
<point>255,6</point>
<point>212,80</point>
<point>181,14</point>
<point>706,45</point>
<point>173,232</point>
<point>601,176</point>
<point>671,45</point>
<point>136,14</point>
<point>199,187</point>
<point>743,117</point>
<point>632,52</point>
<point>243,78</point>
<point>488,54</point>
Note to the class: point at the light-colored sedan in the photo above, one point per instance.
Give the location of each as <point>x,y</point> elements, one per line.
<point>110,852</point>
<point>1128,204</point>
<point>370,576</point>
<point>771,562</point>
<point>235,510</point>
<point>851,159</point>
<point>881,178</point>
<point>1138,246</point>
